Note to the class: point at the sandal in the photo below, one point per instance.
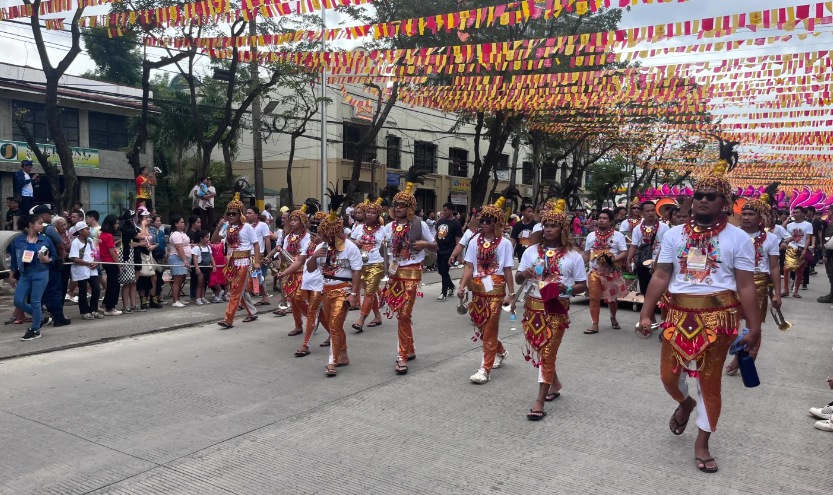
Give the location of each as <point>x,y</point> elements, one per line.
<point>357,328</point>
<point>401,370</point>
<point>552,397</point>
<point>331,371</point>
<point>249,319</point>
<point>300,353</point>
<point>536,415</point>
<point>374,324</point>
<point>295,332</point>
<point>279,313</point>
<point>704,468</point>
<point>224,324</point>
<point>590,331</point>
<point>615,324</point>
<point>797,296</point>
<point>263,303</point>
<point>677,425</point>
<point>326,343</point>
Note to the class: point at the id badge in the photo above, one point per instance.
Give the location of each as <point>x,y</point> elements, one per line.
<point>240,262</point>
<point>28,256</point>
<point>696,261</point>
<point>488,285</point>
<point>394,266</point>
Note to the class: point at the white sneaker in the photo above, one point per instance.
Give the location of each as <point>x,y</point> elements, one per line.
<point>88,316</point>
<point>185,302</point>
<point>480,377</point>
<point>220,296</point>
<point>199,302</point>
<point>499,359</point>
<point>98,315</point>
<point>824,425</point>
<point>115,312</point>
<point>74,299</point>
<point>226,297</point>
<point>67,297</point>
<point>217,299</point>
<point>822,412</point>
<point>178,304</point>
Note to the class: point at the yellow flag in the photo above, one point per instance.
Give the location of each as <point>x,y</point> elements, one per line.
<point>581,8</point>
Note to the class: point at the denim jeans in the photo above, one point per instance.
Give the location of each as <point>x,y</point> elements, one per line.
<point>31,285</point>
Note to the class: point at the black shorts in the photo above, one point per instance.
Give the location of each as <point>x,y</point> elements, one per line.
<point>148,203</point>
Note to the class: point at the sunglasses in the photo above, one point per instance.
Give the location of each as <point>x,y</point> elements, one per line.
<point>699,196</point>
<point>232,214</point>
<point>487,221</point>
<point>401,205</point>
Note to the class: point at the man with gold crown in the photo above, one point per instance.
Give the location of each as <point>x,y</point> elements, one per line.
<point>340,264</point>
<point>369,237</point>
<point>757,217</point>
<point>488,271</point>
<point>634,217</point>
<point>295,243</point>
<point>708,267</point>
<point>241,244</point>
<point>552,271</point>
<point>409,237</point>
<point>358,222</point>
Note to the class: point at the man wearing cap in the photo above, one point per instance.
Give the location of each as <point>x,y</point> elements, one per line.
<point>84,271</point>
<point>23,189</point>
<point>53,296</point>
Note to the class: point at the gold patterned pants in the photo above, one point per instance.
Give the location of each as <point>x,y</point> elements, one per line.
<point>793,261</point>
<point>371,277</point>
<point>400,295</point>
<point>314,300</point>
<point>543,333</point>
<point>485,312</point>
<point>336,307</point>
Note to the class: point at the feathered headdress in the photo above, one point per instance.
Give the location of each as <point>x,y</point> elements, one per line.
<point>362,206</point>
<point>416,175</point>
<point>332,226</point>
<point>374,204</point>
<point>557,215</point>
<point>718,176</point>
<point>495,211</point>
<point>763,205</point>
<point>235,204</point>
<point>310,206</point>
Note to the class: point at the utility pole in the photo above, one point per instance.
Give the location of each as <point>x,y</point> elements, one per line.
<point>257,145</point>
<point>324,202</point>
<point>516,144</point>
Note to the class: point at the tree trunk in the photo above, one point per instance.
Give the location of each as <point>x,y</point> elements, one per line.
<point>292,139</point>
<point>70,193</point>
<point>226,147</point>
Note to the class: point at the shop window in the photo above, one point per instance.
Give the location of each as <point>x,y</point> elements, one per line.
<point>458,162</point>
<point>425,156</point>
<point>34,115</point>
<point>108,131</point>
<point>394,150</point>
<point>352,135</point>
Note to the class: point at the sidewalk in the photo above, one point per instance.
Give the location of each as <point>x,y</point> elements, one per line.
<point>90,332</point>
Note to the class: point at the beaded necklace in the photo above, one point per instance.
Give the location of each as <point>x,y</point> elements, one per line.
<point>293,244</point>
<point>233,236</point>
<point>330,265</point>
<point>401,239</point>
<point>758,240</point>
<point>487,261</point>
<point>632,223</point>
<point>602,238</point>
<point>648,232</point>
<point>699,238</point>
<point>369,236</point>
<point>552,260</point>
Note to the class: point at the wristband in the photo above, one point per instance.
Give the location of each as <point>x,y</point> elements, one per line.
<point>569,290</point>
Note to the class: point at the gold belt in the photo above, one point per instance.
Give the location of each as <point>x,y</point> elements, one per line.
<point>241,254</point>
<point>536,304</point>
<point>343,285</point>
<point>726,299</point>
<point>410,271</point>
<point>499,282</point>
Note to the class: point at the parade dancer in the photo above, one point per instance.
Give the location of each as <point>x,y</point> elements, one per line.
<point>296,240</point>
<point>795,258</point>
<point>605,250</point>
<point>409,237</point>
<point>340,264</point>
<point>629,225</point>
<point>358,224</point>
<point>708,267</point>
<point>645,246</point>
<point>551,272</point>
<point>488,271</point>
<point>241,244</point>
<point>369,237</point>
<point>756,218</point>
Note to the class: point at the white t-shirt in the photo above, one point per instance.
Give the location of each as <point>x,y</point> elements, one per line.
<point>538,227</point>
<point>799,231</point>
<point>625,226</point>
<point>80,272</point>
<point>248,239</point>
<point>265,213</point>
<point>201,253</point>
<point>467,236</point>
<point>661,227</point>
<point>373,254</point>
<point>616,244</point>
<point>303,246</point>
<point>780,232</point>
<point>262,230</point>
<point>504,256</point>
<point>768,248</point>
<point>571,267</point>
<point>349,260</point>
<point>27,191</point>
<point>195,200</point>
<point>355,228</point>
<point>715,272</point>
<point>427,236</point>
<point>279,237</point>
<point>431,224</point>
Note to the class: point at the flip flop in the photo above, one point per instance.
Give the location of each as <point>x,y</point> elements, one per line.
<point>249,319</point>
<point>797,296</point>
<point>677,425</point>
<point>279,313</point>
<point>262,303</point>
<point>401,370</point>
<point>590,331</point>
<point>357,328</point>
<point>536,415</point>
<point>330,372</point>
<point>704,468</point>
<point>295,332</point>
<point>224,324</point>
<point>324,344</point>
<point>616,326</point>
<point>302,353</point>
<point>552,397</point>
<point>374,324</point>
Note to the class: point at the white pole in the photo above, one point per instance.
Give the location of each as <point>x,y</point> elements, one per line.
<point>324,113</point>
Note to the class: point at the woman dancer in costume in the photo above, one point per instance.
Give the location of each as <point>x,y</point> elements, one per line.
<point>369,237</point>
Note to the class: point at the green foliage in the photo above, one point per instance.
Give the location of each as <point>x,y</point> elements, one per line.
<point>605,178</point>
<point>118,60</point>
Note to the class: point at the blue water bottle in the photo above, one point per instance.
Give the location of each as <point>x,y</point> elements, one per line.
<point>748,372</point>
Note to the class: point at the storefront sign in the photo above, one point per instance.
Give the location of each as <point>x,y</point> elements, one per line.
<point>14,151</point>
<point>460,198</point>
<point>363,112</point>
<point>394,179</point>
<point>460,185</point>
<point>503,175</point>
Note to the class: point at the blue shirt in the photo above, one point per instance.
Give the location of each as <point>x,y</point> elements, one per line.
<point>19,245</point>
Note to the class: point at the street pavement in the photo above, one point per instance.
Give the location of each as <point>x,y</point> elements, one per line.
<point>205,410</point>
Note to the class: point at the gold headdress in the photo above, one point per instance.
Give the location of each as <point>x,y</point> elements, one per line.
<point>235,204</point>
<point>718,176</point>
<point>319,216</point>
<point>413,177</point>
<point>310,206</point>
<point>557,215</point>
<point>496,210</point>
<point>363,205</point>
<point>332,226</point>
<point>763,205</point>
<point>636,202</point>
<point>375,206</point>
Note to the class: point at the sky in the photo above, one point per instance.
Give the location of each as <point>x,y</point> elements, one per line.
<point>17,39</point>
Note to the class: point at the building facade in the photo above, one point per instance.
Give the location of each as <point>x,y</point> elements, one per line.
<point>410,136</point>
<point>95,122</point>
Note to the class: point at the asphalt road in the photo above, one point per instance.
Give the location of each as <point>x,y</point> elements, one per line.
<point>205,410</point>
